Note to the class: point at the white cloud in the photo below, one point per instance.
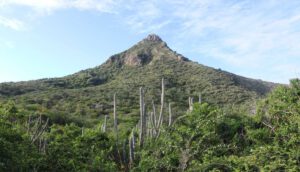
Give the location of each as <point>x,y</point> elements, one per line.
<point>52,5</point>
<point>11,23</point>
<point>46,5</point>
<point>143,16</point>
<point>32,9</point>
<point>107,6</point>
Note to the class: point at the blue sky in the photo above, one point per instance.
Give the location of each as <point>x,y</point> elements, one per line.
<point>52,38</point>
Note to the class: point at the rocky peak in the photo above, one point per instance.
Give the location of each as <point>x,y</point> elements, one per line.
<point>150,49</point>
<point>153,37</point>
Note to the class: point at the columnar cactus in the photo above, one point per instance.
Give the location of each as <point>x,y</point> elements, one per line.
<point>191,102</point>
<point>160,119</point>
<point>154,120</point>
<point>115,117</point>
<point>200,98</point>
<point>142,117</point>
<point>152,124</point>
<point>170,115</point>
<point>131,149</point>
<point>104,124</point>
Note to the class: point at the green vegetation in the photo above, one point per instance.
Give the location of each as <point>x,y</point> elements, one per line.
<point>239,124</point>
<point>212,139</point>
<point>208,138</point>
<point>86,96</point>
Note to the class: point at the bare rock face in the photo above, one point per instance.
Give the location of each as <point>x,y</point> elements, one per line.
<point>132,60</point>
<point>181,58</point>
<point>150,49</point>
<point>137,59</point>
<point>154,37</point>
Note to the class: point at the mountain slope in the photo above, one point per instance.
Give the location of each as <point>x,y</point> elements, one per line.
<point>88,93</point>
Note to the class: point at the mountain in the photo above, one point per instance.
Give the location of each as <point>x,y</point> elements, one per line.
<point>87,95</point>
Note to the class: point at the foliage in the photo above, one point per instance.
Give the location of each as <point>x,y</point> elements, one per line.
<point>86,96</point>
<point>215,136</point>
<point>16,152</point>
<point>207,139</point>
<point>70,150</point>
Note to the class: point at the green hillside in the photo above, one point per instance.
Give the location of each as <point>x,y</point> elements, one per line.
<point>122,116</point>
<point>88,93</point>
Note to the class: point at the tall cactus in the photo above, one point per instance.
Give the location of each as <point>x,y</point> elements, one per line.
<point>131,149</point>
<point>170,115</point>
<point>115,117</point>
<point>154,120</point>
<point>104,124</point>
<point>142,117</point>
<point>200,98</point>
<point>160,119</point>
<point>154,113</point>
<point>152,124</point>
<point>191,102</point>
